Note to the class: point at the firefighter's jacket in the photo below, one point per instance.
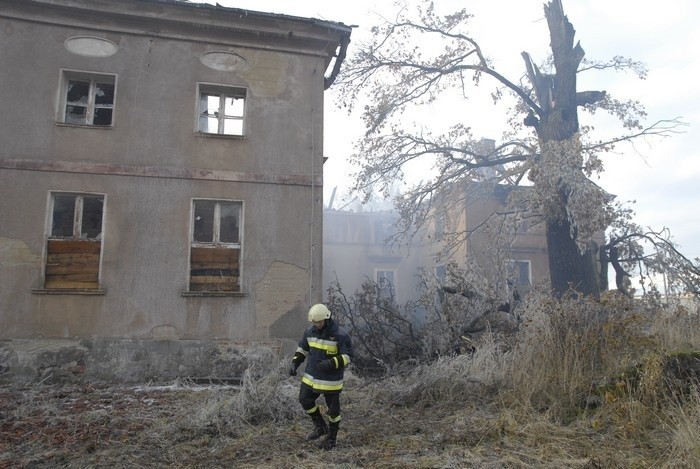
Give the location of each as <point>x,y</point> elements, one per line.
<point>333,343</point>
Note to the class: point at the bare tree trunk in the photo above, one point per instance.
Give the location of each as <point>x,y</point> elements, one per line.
<point>568,268</point>
<point>558,121</point>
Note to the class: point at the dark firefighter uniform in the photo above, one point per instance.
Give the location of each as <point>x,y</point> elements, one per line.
<point>327,350</point>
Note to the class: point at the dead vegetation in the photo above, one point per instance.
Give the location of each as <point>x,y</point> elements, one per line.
<point>587,384</point>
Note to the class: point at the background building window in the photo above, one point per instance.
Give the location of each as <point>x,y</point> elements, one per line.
<point>384,230</point>
<point>386,283</point>
<point>74,242</point>
<point>221,110</point>
<point>215,250</point>
<point>440,222</point>
<point>441,273</point>
<point>87,99</point>
<point>519,275</point>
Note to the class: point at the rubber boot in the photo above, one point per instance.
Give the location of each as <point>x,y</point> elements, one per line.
<point>328,442</point>
<point>320,427</point>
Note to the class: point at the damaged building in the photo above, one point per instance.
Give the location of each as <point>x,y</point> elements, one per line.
<point>161,170</point>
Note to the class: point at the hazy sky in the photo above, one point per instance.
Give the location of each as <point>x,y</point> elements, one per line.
<point>663,176</point>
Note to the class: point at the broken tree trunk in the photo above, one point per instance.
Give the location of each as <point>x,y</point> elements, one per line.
<point>556,120</point>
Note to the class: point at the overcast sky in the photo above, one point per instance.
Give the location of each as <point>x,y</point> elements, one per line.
<point>663,176</point>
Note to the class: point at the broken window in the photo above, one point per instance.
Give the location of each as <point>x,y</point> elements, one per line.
<point>221,110</point>
<point>215,250</point>
<point>74,242</point>
<point>87,99</point>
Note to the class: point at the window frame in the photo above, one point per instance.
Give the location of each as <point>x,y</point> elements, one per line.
<point>224,91</point>
<point>510,269</point>
<point>216,243</point>
<point>75,255</point>
<point>440,225</point>
<point>441,273</point>
<point>77,214</point>
<point>94,78</point>
<point>393,285</point>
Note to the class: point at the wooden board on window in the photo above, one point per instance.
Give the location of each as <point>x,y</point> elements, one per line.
<point>74,261</point>
<point>220,265</point>
<point>206,260</point>
<point>223,265</point>
<point>79,277</point>
<point>212,283</point>
<point>58,284</point>
<point>74,246</point>
<point>215,254</point>
<point>72,264</point>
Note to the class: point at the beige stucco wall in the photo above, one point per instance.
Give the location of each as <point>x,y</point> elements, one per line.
<point>530,245</point>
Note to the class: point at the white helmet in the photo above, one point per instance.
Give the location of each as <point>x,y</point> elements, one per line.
<point>319,312</point>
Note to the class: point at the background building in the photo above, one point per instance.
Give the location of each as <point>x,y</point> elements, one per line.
<point>357,246</point>
<point>360,245</point>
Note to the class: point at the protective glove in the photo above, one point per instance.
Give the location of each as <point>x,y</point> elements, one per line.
<point>326,365</point>
<point>293,369</point>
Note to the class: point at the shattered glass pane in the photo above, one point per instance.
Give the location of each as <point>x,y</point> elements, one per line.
<point>89,102</point>
<point>75,114</point>
<point>204,221</point>
<point>92,218</point>
<point>103,116</point>
<point>209,104</point>
<point>209,113</point>
<point>229,228</point>
<point>78,92</point>
<point>234,106</point>
<point>63,216</point>
<point>104,94</point>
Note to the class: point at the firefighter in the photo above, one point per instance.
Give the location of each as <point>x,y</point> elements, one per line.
<point>328,348</point>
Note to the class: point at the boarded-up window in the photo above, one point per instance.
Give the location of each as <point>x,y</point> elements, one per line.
<point>215,250</point>
<point>74,243</point>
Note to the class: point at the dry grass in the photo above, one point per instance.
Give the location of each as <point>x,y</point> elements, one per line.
<point>562,397</point>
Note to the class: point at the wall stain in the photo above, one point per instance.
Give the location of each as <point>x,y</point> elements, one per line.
<point>15,251</point>
<point>266,73</point>
<point>284,289</point>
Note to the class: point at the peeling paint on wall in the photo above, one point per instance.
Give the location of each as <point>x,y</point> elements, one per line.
<point>15,251</point>
<point>266,74</point>
<point>284,288</point>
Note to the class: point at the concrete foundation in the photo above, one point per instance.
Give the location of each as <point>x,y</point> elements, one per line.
<point>24,362</point>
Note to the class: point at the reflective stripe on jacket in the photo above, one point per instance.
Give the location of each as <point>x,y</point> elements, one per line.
<point>331,342</point>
